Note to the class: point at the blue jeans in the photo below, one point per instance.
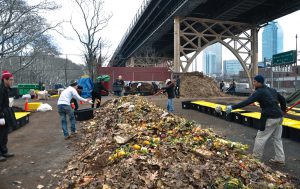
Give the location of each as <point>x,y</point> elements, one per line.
<point>63,111</point>
<point>170,106</point>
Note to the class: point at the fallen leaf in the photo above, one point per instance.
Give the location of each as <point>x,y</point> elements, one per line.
<point>17,182</point>
<point>40,186</point>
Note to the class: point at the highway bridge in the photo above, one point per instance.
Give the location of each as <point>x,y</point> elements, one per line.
<point>181,29</point>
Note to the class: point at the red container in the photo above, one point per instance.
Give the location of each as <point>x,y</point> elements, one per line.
<point>106,85</point>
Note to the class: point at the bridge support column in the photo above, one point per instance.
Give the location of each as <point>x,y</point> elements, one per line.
<point>254,59</point>
<point>130,62</point>
<point>177,46</point>
<point>192,35</point>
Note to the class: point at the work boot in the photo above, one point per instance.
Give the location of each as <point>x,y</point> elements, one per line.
<point>2,158</point>
<point>277,162</point>
<point>8,155</point>
<point>67,137</point>
<point>74,133</point>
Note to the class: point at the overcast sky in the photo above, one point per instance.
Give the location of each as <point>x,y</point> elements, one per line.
<point>123,12</point>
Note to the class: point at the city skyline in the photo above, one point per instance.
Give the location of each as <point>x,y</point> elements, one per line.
<point>231,67</point>
<point>272,40</point>
<point>212,59</point>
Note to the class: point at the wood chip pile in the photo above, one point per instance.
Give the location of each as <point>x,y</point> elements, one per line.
<point>195,85</point>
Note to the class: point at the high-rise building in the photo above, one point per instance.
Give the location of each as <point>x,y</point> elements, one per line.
<point>232,67</point>
<point>209,63</point>
<point>212,60</point>
<point>272,40</point>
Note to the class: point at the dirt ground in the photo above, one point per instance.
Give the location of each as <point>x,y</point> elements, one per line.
<point>41,151</point>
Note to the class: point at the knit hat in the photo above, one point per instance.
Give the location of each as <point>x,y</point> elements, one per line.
<point>167,81</point>
<point>260,79</point>
<point>6,74</point>
<point>73,83</point>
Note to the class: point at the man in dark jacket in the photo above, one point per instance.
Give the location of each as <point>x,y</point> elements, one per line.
<point>222,86</point>
<point>96,93</point>
<point>7,118</point>
<point>169,89</point>
<point>177,87</point>
<point>119,85</point>
<point>271,118</point>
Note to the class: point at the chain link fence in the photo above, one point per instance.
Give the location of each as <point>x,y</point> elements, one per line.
<point>285,81</point>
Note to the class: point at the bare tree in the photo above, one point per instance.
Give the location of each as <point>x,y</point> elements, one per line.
<point>42,46</point>
<point>95,20</point>
<point>21,24</point>
<point>47,68</point>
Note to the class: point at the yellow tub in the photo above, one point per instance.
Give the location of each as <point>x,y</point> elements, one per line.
<point>33,106</point>
<point>20,115</point>
<point>286,121</point>
<point>54,96</point>
<point>213,105</point>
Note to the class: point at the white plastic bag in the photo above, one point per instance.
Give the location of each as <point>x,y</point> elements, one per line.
<point>44,108</point>
<point>26,96</point>
<point>11,102</point>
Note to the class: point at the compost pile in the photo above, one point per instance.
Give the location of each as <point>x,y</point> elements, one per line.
<point>131,143</point>
<point>145,87</point>
<point>195,85</point>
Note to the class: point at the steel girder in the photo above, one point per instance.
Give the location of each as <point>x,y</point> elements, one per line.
<point>192,35</point>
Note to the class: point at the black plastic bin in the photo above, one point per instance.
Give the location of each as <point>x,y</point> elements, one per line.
<point>210,110</point>
<point>186,104</point>
<point>198,108</point>
<point>21,122</point>
<point>84,114</point>
<point>227,117</point>
<point>294,134</point>
<point>238,117</point>
<point>286,132</point>
<point>247,121</point>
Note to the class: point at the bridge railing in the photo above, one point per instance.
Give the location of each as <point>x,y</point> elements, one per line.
<point>136,18</point>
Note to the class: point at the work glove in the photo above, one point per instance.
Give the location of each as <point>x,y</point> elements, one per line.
<point>90,101</point>
<point>11,102</point>
<point>218,109</point>
<point>228,109</point>
<point>2,121</point>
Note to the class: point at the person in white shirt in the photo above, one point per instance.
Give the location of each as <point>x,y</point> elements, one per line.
<point>64,107</point>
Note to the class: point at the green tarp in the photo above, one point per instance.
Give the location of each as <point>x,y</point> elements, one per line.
<point>105,78</point>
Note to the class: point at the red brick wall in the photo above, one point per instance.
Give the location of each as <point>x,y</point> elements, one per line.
<point>135,74</point>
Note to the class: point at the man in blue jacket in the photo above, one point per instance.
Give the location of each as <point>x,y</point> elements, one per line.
<point>271,118</point>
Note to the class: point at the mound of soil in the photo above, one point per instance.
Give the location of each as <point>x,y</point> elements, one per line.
<point>195,85</point>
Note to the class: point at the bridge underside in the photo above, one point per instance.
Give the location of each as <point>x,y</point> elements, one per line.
<point>155,28</point>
